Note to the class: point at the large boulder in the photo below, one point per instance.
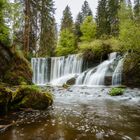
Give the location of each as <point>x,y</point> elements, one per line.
<point>31,97</point>
<point>131,70</point>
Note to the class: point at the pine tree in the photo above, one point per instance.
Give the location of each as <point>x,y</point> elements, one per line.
<point>78,23</point>
<point>113,7</point>
<point>47,34</point>
<point>67,20</point>
<point>137,10</point>
<point>86,11</point>
<point>102,19</point>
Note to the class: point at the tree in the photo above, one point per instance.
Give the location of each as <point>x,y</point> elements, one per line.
<point>86,11</point>
<point>137,10</point>
<point>16,18</point>
<point>129,30</point>
<point>77,24</point>
<point>113,7</point>
<point>66,43</point>
<point>27,28</point>
<point>47,31</point>
<point>4,30</point>
<point>67,20</point>
<point>102,19</point>
<point>88,29</point>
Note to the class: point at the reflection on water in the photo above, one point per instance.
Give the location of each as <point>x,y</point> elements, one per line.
<point>81,113</point>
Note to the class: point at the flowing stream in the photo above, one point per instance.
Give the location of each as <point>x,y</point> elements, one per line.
<point>80,113</point>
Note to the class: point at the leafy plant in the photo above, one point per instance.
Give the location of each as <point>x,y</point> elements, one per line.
<point>116,91</point>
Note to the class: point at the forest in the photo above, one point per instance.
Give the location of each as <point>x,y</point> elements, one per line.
<point>77,80</point>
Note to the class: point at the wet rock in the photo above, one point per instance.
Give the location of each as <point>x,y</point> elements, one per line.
<point>71,81</point>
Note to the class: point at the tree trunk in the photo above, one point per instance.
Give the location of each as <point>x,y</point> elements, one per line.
<point>27,27</point>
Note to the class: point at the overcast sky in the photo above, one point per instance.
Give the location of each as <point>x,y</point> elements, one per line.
<point>75,6</point>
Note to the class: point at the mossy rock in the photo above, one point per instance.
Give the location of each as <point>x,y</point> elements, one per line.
<point>31,97</point>
<point>131,70</point>
<point>5,99</point>
<point>65,86</point>
<point>116,91</point>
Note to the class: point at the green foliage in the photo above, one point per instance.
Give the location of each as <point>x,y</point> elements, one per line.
<point>129,30</point>
<point>137,10</point>
<point>48,28</point>
<point>60,51</point>
<point>103,25</point>
<point>116,91</point>
<point>88,29</point>
<point>86,11</point>
<point>94,50</point>
<point>66,43</point>
<point>113,7</point>
<point>77,25</point>
<point>67,21</point>
<point>4,30</point>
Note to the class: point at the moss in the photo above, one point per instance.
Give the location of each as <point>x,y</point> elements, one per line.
<point>131,70</point>
<point>65,86</point>
<point>116,91</point>
<point>31,97</point>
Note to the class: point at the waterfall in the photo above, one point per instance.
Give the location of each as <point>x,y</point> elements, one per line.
<point>60,70</point>
<point>40,69</point>
<point>117,75</point>
<point>96,76</point>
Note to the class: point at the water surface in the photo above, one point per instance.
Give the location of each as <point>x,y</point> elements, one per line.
<point>80,113</point>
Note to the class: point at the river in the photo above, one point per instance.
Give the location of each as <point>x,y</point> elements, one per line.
<point>80,113</point>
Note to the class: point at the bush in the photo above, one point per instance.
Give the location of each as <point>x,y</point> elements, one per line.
<point>96,49</point>
<point>116,91</point>
<point>61,51</point>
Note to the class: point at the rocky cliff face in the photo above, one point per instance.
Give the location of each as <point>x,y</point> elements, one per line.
<point>14,68</point>
<point>131,71</point>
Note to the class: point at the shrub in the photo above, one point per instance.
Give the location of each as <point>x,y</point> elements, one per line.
<point>116,91</point>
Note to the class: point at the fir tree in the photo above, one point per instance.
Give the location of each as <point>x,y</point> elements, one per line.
<point>102,19</point>
<point>47,35</point>
<point>86,11</point>
<point>78,23</point>
<point>113,7</point>
<point>67,20</point>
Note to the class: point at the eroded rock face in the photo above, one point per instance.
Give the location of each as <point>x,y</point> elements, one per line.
<point>14,68</point>
<point>131,70</point>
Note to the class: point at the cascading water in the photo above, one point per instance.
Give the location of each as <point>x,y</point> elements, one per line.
<point>96,76</point>
<point>58,70</point>
<point>61,69</point>
<point>117,75</point>
<point>40,69</point>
